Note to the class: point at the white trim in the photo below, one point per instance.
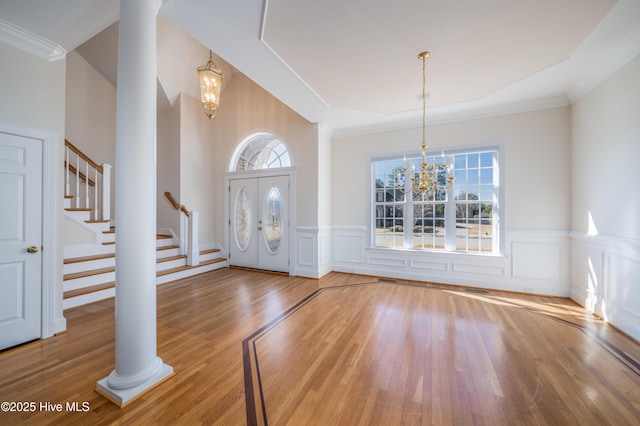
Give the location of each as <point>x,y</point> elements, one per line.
<point>244,141</point>
<point>450,114</point>
<point>29,42</point>
<point>291,172</point>
<point>52,320</point>
<point>498,148</point>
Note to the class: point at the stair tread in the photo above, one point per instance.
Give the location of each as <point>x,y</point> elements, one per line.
<point>88,273</point>
<point>184,268</point>
<point>86,290</point>
<point>111,269</point>
<point>89,258</point>
<point>97,221</point>
<point>74,209</point>
<point>167,248</point>
<point>209,251</point>
<point>170,258</point>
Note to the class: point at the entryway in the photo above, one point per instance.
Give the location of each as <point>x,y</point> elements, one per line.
<point>259,223</point>
<point>21,167</point>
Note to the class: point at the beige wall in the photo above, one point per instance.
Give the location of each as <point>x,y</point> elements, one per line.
<point>90,114</point>
<point>536,176</point>
<point>168,162</point>
<point>33,97</point>
<point>196,172</point>
<point>33,92</point>
<point>246,108</point>
<point>606,150</point>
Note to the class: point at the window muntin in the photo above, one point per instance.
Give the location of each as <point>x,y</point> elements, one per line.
<point>262,151</point>
<point>461,219</point>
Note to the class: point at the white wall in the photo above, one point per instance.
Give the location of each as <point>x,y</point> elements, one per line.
<point>606,202</point>
<point>168,162</point>
<point>33,97</point>
<point>536,214</point>
<point>90,114</point>
<point>196,172</point>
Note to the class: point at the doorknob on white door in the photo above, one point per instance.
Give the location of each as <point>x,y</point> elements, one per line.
<point>32,249</point>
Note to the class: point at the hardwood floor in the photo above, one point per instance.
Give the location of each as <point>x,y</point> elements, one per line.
<point>343,350</point>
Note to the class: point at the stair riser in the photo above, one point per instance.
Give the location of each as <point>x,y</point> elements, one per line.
<point>72,302</point>
<point>89,265</point>
<point>108,293</point>
<point>91,280</point>
<point>164,242</point>
<point>78,216</point>
<point>163,266</point>
<point>195,271</point>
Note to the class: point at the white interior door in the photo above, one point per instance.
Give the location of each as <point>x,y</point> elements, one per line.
<point>259,224</point>
<point>20,239</point>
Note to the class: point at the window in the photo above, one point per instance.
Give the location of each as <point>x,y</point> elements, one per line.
<point>260,151</point>
<point>463,218</point>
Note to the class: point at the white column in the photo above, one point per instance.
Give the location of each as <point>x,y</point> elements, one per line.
<point>137,366</point>
<point>193,252</point>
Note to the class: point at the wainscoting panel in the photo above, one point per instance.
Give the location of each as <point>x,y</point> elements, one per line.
<point>534,262</point>
<point>313,252</point>
<point>549,255</point>
<point>605,277</point>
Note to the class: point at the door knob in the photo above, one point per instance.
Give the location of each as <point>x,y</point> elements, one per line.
<point>32,249</point>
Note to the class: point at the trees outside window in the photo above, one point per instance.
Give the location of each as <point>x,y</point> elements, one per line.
<point>462,218</point>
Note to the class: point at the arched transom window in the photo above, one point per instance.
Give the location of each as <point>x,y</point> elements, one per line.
<point>260,151</point>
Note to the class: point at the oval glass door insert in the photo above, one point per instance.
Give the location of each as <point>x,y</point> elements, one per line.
<point>273,220</point>
<point>243,219</point>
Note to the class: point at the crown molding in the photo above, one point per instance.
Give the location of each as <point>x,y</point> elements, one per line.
<point>616,58</point>
<point>453,113</point>
<point>29,42</point>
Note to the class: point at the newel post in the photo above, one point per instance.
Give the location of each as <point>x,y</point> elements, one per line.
<point>106,192</point>
<point>193,251</point>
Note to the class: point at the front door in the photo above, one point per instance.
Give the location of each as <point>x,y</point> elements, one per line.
<point>259,223</point>
<point>20,239</point>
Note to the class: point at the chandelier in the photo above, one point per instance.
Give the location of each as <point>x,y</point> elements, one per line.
<point>425,181</point>
<point>210,83</point>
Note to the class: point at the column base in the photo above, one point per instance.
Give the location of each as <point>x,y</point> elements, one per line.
<point>121,397</point>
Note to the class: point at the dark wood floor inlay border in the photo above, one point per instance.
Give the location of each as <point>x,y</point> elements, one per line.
<point>255,404</point>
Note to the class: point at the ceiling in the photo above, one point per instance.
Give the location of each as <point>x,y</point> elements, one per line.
<point>352,65</point>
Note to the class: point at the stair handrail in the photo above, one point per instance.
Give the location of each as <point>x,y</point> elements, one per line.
<point>190,247</point>
<point>175,205</point>
<point>101,206</point>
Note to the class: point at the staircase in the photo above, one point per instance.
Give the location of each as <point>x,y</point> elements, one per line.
<point>89,266</point>
<point>91,277</point>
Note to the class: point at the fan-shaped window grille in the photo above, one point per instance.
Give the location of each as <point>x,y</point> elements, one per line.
<point>262,151</point>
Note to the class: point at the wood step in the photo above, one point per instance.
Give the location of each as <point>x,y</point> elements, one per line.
<point>99,287</point>
<point>88,273</point>
<point>202,252</point>
<point>169,259</point>
<point>73,209</point>
<point>184,268</point>
<point>86,290</point>
<point>167,248</point>
<point>89,258</point>
<point>97,221</point>
<point>163,236</point>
